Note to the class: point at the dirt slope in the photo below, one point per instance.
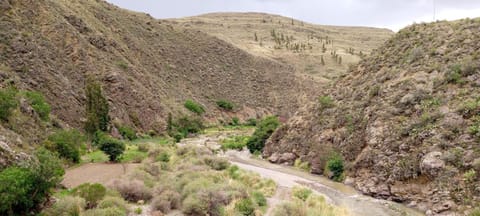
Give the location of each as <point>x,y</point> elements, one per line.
<point>148,67</point>
<point>276,37</point>
<point>406,120</point>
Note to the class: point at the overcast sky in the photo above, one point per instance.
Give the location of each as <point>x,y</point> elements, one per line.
<point>392,14</point>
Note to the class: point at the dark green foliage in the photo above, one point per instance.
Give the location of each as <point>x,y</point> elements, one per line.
<point>67,143</point>
<point>92,193</point>
<point>22,189</point>
<point>127,132</point>
<point>96,108</point>
<point>302,193</point>
<point>259,198</point>
<point>38,103</point>
<point>264,129</point>
<point>226,105</point>
<point>181,127</point>
<point>17,185</point>
<point>112,147</point>
<point>235,121</point>
<point>8,102</point>
<point>245,207</point>
<point>251,122</point>
<point>194,107</point>
<point>335,166</point>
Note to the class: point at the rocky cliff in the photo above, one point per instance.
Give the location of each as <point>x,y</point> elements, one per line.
<point>406,120</point>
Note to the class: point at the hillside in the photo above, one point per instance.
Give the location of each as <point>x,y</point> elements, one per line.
<point>405,120</point>
<point>147,67</point>
<point>293,42</point>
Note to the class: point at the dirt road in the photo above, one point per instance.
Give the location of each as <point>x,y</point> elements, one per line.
<point>103,173</point>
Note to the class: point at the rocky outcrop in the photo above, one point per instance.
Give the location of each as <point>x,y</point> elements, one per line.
<point>406,120</point>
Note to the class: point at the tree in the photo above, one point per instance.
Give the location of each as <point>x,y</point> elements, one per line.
<point>112,147</point>
<point>264,130</point>
<point>96,108</point>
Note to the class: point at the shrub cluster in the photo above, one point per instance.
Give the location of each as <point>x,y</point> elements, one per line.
<point>38,103</point>
<point>181,127</point>
<point>91,193</point>
<point>194,107</point>
<point>264,130</point>
<point>334,167</point>
<point>67,143</point>
<point>112,147</point>
<point>127,132</point>
<point>8,102</point>
<point>226,105</point>
<point>23,188</point>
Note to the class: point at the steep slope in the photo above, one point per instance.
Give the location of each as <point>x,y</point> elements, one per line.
<point>148,67</point>
<point>406,120</point>
<point>292,41</point>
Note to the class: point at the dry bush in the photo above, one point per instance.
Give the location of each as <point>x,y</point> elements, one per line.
<point>166,201</point>
<point>217,163</point>
<point>112,211</point>
<point>132,190</point>
<point>67,206</point>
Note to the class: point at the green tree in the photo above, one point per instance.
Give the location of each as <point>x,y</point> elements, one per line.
<point>112,147</point>
<point>23,188</point>
<point>96,108</point>
<point>264,130</point>
<point>194,107</point>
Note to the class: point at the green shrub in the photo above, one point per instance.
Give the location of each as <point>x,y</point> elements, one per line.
<point>236,142</point>
<point>163,156</point>
<point>67,143</point>
<point>113,202</point>
<point>226,105</point>
<point>245,207</point>
<point>23,188</point>
<point>112,147</point>
<point>71,206</point>
<point>259,198</point>
<point>335,167</point>
<point>301,193</point>
<point>325,102</point>
<point>475,212</point>
<point>138,210</point>
<point>8,102</point>
<point>17,186</point>
<point>92,193</point>
<point>194,206</point>
<point>264,130</point>
<point>127,132</point>
<point>251,122</point>
<point>302,165</point>
<point>96,108</point>
<point>235,121</point>
<point>194,107</point>
<point>183,126</point>
<point>290,208</point>
<point>38,103</point>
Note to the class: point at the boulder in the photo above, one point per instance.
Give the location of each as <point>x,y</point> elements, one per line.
<point>288,158</point>
<point>274,158</point>
<point>432,164</point>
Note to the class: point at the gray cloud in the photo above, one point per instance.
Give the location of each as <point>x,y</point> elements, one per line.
<point>392,14</point>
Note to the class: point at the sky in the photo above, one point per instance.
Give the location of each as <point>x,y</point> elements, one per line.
<point>391,14</point>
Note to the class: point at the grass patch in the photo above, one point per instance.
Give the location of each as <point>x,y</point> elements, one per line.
<point>235,143</point>
<point>133,155</point>
<point>95,157</point>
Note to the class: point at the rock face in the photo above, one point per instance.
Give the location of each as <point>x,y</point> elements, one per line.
<point>405,120</point>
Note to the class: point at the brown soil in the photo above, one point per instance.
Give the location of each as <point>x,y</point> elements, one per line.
<point>96,173</point>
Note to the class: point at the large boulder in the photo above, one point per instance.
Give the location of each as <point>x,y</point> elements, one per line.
<point>432,164</point>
